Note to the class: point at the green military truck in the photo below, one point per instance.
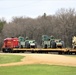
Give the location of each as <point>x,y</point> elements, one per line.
<point>51,42</point>
<point>26,43</point>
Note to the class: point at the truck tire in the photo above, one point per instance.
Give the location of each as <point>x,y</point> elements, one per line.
<point>53,45</point>
<point>28,45</point>
<point>45,46</point>
<point>21,46</point>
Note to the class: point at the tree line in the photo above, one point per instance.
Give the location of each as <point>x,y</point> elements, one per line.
<point>61,25</point>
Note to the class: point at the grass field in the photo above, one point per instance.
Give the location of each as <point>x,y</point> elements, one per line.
<point>10,58</point>
<point>38,70</point>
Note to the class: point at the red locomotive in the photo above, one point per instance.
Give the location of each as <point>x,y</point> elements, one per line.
<point>9,44</point>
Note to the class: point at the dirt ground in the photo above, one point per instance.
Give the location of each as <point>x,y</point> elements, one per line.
<point>51,59</point>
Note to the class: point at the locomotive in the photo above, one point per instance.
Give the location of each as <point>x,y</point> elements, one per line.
<point>9,44</point>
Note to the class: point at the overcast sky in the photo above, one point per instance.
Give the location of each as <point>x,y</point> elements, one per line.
<point>32,8</point>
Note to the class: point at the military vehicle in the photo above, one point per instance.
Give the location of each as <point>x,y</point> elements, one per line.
<point>51,42</point>
<point>26,43</point>
<point>74,42</point>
